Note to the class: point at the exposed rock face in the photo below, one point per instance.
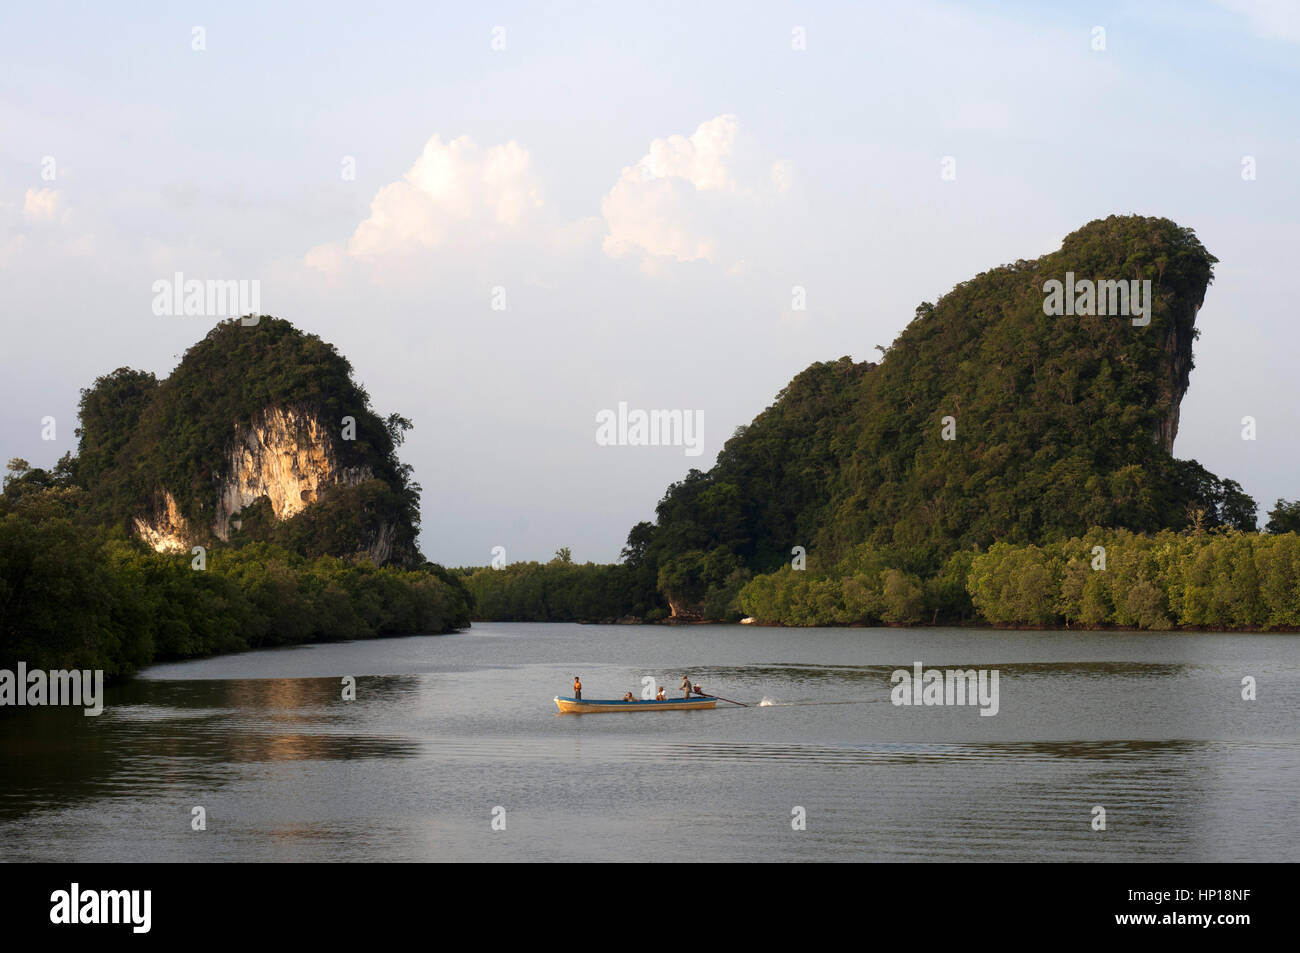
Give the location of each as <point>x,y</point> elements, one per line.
<point>284,455</point>
<point>684,612</point>
<point>1177,344</point>
<point>382,545</point>
<point>166,531</point>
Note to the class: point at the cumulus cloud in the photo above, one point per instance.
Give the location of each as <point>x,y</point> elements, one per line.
<point>684,199</point>
<point>457,196</point>
<point>454,191</point>
<point>41,205</point>
<point>22,237</point>
<point>689,198</point>
<point>327,259</point>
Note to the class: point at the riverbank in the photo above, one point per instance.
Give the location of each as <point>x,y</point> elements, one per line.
<point>78,599</point>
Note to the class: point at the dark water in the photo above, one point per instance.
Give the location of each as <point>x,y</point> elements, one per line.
<point>445,729</point>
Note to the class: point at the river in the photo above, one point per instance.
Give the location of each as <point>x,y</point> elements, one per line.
<point>453,750</point>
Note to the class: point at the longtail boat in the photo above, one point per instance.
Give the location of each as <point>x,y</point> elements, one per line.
<point>592,706</point>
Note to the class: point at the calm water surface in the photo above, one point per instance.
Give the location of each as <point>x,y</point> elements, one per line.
<point>446,728</point>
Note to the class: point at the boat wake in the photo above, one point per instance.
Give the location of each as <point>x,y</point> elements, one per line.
<point>773,703</point>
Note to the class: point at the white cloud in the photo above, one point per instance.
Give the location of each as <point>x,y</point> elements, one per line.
<point>455,191</point>
<point>701,160</point>
<point>41,205</point>
<point>690,198</point>
<point>328,259</point>
<point>685,198</point>
<point>23,240</point>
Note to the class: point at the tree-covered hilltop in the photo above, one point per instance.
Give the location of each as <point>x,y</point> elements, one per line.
<point>79,587</point>
<point>986,421</point>
<point>144,444</point>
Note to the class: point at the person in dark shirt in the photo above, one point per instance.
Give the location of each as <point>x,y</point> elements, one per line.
<point>686,686</point>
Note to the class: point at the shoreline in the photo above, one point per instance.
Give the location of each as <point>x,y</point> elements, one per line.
<point>1001,627</point>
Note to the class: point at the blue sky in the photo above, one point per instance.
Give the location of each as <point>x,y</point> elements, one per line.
<point>647,183</point>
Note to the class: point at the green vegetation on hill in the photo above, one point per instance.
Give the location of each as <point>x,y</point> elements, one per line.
<point>78,590</point>
<point>140,437</point>
<point>1058,424</point>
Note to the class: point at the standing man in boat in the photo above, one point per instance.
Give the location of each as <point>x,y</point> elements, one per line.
<point>577,687</point>
<point>686,686</point>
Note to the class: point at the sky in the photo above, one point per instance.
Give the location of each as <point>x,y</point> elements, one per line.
<point>513,217</point>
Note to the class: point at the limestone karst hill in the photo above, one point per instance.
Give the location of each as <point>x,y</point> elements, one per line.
<point>987,420</point>
<point>260,433</point>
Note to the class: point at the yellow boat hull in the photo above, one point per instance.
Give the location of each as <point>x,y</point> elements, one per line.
<point>574,706</point>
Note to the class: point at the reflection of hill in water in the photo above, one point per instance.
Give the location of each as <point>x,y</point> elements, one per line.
<point>803,672</point>
<point>178,738</point>
<point>257,692</point>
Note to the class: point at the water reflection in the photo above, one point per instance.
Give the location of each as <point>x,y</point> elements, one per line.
<point>157,738</point>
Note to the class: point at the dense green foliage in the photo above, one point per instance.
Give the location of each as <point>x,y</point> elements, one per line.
<point>1057,425</point>
<point>140,437</point>
<point>866,587</point>
<point>1284,517</point>
<point>1221,580</point>
<point>341,521</point>
<point>77,594</point>
<point>562,591</point>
